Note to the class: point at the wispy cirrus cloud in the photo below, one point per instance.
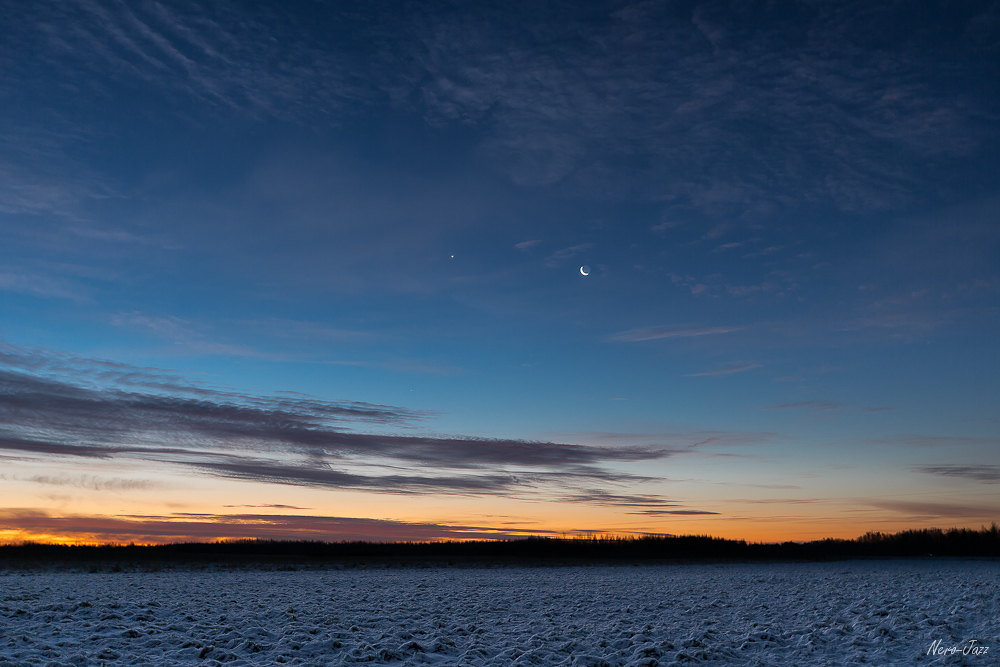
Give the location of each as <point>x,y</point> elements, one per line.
<point>658,333</point>
<point>312,331</point>
<point>675,442</point>
<point>939,441</point>
<point>780,501</point>
<point>272,506</point>
<point>42,285</point>
<point>676,512</point>
<point>821,406</point>
<point>727,370</point>
<point>560,256</point>
<point>91,482</point>
<point>221,56</point>
<point>190,339</point>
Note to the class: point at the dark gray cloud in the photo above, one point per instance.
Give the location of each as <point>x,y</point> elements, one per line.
<point>948,511</point>
<point>32,381</point>
<point>307,425</point>
<point>322,476</point>
<point>39,446</point>
<point>240,436</point>
<point>986,473</point>
<point>602,497</point>
<point>185,527</point>
<point>643,504</point>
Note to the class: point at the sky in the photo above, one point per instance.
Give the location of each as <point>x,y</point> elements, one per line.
<point>312,270</point>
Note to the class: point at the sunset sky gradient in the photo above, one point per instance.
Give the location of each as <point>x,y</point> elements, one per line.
<point>311,270</point>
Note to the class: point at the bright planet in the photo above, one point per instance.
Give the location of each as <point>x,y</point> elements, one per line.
<point>585,270</point>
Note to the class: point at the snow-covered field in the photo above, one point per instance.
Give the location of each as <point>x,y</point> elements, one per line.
<point>771,614</point>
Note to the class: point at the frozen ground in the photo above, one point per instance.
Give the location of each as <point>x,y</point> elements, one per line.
<point>774,614</point>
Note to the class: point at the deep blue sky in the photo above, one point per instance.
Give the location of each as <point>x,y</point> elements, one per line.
<point>791,211</point>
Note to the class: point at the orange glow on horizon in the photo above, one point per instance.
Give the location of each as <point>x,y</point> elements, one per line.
<point>151,533</point>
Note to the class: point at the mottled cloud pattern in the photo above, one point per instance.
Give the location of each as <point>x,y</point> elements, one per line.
<point>835,105</point>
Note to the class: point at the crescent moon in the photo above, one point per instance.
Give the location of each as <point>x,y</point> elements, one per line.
<point>585,270</point>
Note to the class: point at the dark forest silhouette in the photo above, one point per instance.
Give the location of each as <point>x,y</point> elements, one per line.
<point>931,542</point>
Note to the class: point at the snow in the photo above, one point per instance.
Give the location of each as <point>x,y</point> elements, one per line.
<point>880,613</point>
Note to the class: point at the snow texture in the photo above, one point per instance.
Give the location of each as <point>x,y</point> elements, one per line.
<point>880,613</point>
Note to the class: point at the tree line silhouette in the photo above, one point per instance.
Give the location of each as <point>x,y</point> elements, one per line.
<point>928,542</point>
